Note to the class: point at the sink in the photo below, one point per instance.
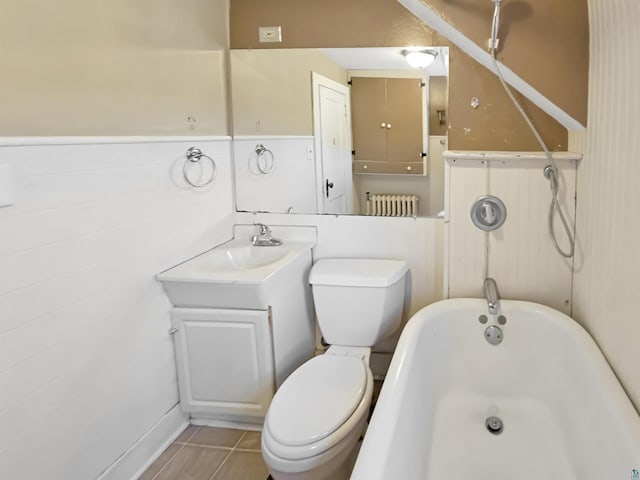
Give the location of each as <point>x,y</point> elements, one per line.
<point>235,274</point>
<point>243,257</point>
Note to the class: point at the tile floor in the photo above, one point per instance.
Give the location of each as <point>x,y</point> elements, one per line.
<point>206,453</point>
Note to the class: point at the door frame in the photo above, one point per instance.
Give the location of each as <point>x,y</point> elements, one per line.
<point>318,81</point>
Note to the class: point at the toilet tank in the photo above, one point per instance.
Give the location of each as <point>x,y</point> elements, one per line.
<point>358,301</point>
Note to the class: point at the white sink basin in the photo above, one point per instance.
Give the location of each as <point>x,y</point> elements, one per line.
<point>233,275</point>
<point>243,257</point>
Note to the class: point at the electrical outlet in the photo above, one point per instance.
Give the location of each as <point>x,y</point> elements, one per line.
<point>270,34</point>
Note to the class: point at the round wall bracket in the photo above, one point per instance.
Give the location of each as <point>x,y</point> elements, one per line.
<point>488,213</point>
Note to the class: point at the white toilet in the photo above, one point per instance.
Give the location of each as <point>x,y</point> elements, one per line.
<point>316,417</point>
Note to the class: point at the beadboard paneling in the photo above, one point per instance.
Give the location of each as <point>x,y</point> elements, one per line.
<point>522,258</point>
<point>519,255</point>
<point>86,364</point>
<point>466,261</point>
<point>608,223</point>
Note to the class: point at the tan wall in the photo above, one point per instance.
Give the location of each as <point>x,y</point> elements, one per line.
<point>546,42</point>
<point>271,89</point>
<point>351,23</point>
<point>327,23</point>
<point>608,224</point>
<point>438,94</point>
<point>73,67</point>
<point>495,124</point>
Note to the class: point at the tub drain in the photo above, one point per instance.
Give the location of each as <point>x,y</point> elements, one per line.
<point>494,425</point>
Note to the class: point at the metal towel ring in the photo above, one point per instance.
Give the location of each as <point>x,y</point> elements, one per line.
<point>261,151</point>
<point>194,154</point>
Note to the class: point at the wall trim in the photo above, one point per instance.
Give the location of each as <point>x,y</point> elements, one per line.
<point>272,137</point>
<point>29,141</point>
<point>480,156</point>
<point>440,25</point>
<point>132,463</point>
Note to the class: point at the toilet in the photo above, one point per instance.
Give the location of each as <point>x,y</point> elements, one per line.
<point>318,414</point>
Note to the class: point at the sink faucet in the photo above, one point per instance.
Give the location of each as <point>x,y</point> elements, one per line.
<point>491,294</point>
<point>264,238</point>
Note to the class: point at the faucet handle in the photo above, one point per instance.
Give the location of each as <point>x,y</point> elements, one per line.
<point>264,229</point>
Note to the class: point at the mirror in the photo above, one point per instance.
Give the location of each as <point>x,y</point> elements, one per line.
<point>292,113</point>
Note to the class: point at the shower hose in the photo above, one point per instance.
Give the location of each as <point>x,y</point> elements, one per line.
<point>551,173</point>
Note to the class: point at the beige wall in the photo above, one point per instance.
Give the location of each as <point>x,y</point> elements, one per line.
<point>546,42</point>
<point>608,223</point>
<point>495,124</point>
<point>438,95</point>
<point>271,90</point>
<point>356,23</point>
<point>73,67</point>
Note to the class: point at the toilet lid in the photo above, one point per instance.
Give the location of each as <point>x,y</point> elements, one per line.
<point>317,399</point>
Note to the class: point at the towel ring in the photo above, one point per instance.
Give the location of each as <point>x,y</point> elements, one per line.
<point>194,154</point>
<point>261,152</point>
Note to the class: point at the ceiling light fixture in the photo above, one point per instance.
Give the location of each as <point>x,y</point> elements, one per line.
<point>419,58</point>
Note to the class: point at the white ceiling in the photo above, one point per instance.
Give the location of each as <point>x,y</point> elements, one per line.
<point>386,58</point>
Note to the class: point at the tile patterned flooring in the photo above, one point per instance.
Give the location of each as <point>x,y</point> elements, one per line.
<point>206,453</point>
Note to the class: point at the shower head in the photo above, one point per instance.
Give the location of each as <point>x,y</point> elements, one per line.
<point>492,44</point>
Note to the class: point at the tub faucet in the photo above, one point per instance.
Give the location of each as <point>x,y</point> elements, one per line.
<point>491,294</point>
<point>264,238</point>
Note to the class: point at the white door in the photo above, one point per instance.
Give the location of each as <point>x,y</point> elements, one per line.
<point>332,131</point>
<point>225,362</point>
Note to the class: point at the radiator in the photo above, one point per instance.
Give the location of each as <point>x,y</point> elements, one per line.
<point>392,205</point>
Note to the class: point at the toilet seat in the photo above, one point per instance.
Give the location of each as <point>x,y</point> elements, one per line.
<point>317,406</point>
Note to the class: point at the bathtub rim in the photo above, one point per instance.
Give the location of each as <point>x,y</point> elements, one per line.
<point>375,449</point>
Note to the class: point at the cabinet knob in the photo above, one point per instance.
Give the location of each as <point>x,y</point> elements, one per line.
<point>388,125</point>
<point>173,331</point>
<point>408,168</point>
<point>383,125</point>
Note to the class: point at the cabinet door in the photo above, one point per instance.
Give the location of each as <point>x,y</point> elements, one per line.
<point>387,125</point>
<point>368,115</point>
<point>404,114</point>
<point>225,362</point>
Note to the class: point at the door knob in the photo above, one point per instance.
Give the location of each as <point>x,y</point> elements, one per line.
<point>328,186</point>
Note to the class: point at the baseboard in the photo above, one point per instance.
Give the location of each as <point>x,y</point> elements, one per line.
<point>132,463</point>
<point>209,422</point>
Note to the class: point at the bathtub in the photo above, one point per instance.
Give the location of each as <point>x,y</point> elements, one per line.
<point>564,415</point>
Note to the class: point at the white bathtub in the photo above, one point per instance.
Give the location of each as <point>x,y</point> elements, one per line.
<point>565,415</point>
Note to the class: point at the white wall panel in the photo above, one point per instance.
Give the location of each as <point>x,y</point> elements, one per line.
<point>522,258</point>
<point>519,255</point>
<point>290,183</point>
<point>608,223</point>
<point>86,364</point>
<point>419,241</point>
<point>466,261</point>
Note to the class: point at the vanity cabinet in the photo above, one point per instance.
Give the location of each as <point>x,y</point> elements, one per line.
<point>225,362</point>
<point>242,322</point>
<point>387,125</point>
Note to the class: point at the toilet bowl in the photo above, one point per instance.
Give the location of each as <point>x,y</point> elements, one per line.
<point>317,416</point>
